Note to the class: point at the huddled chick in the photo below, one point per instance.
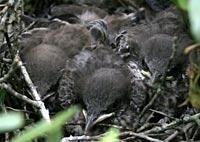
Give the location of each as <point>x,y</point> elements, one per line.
<point>100,79</point>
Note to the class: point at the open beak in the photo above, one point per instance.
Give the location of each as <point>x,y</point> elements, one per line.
<point>93,120</point>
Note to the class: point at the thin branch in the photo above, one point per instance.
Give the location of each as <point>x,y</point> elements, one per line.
<point>8,88</point>
<point>162,113</point>
<point>44,112</point>
<point>150,103</point>
<point>78,138</point>
<point>10,72</point>
<point>172,136</point>
<point>141,135</point>
<point>165,126</point>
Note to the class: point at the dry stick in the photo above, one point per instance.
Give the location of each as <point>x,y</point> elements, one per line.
<point>171,137</point>
<point>8,88</point>
<point>10,72</point>
<point>165,126</point>
<point>141,135</point>
<point>196,133</point>
<point>164,114</point>
<point>76,138</point>
<point>40,104</point>
<point>44,112</point>
<point>130,133</point>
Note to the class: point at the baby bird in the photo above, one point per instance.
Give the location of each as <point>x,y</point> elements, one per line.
<point>101,81</point>
<point>152,42</point>
<point>46,52</point>
<point>44,64</point>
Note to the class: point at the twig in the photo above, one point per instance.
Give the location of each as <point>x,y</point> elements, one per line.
<point>141,135</point>
<point>78,138</point>
<point>44,112</point>
<point>84,137</point>
<point>162,113</point>
<point>150,103</point>
<point>165,126</point>
<point>10,72</point>
<point>171,137</point>
<point>8,43</point>
<point>196,133</point>
<point>147,126</point>
<point>174,48</point>
<point>8,88</point>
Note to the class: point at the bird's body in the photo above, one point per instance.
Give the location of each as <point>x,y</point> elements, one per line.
<point>46,52</point>
<point>98,78</point>
<point>152,42</point>
<point>44,64</point>
<point>99,82</point>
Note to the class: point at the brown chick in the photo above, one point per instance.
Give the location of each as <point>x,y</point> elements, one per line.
<point>77,13</point>
<point>153,41</point>
<point>101,81</point>
<point>45,55</point>
<point>44,64</point>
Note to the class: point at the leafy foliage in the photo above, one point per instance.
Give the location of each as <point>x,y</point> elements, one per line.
<point>51,129</point>
<point>10,121</point>
<point>111,136</point>
<point>193,9</point>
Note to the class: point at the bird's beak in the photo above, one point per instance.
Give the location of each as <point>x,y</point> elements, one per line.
<point>89,123</point>
<point>93,120</point>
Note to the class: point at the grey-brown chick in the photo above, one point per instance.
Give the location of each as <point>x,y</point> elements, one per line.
<point>158,49</point>
<point>77,13</point>
<point>44,64</point>
<point>153,41</point>
<point>100,79</point>
<point>46,52</point>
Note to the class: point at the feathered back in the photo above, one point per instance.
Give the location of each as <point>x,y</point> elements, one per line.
<point>99,78</point>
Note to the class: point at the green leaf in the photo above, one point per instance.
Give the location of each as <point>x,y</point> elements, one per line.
<point>183,4</point>
<point>43,127</point>
<point>194,17</point>
<point>10,121</point>
<point>54,136</point>
<point>111,136</point>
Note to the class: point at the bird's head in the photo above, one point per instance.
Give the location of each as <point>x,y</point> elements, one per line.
<point>102,90</point>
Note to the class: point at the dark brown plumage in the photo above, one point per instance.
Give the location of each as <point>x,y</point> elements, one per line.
<point>100,79</point>
<point>44,64</point>
<point>77,13</point>
<point>152,41</point>
<point>46,52</point>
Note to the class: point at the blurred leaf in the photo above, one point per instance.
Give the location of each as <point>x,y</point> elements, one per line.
<point>111,136</point>
<point>194,75</point>
<point>44,127</point>
<point>54,136</point>
<point>10,121</point>
<point>183,4</point>
<point>194,10</point>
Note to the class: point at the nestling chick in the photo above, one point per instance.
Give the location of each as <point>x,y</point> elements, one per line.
<point>101,79</point>
<point>157,51</point>
<point>152,42</point>
<point>46,52</point>
<point>44,64</point>
<point>79,14</point>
